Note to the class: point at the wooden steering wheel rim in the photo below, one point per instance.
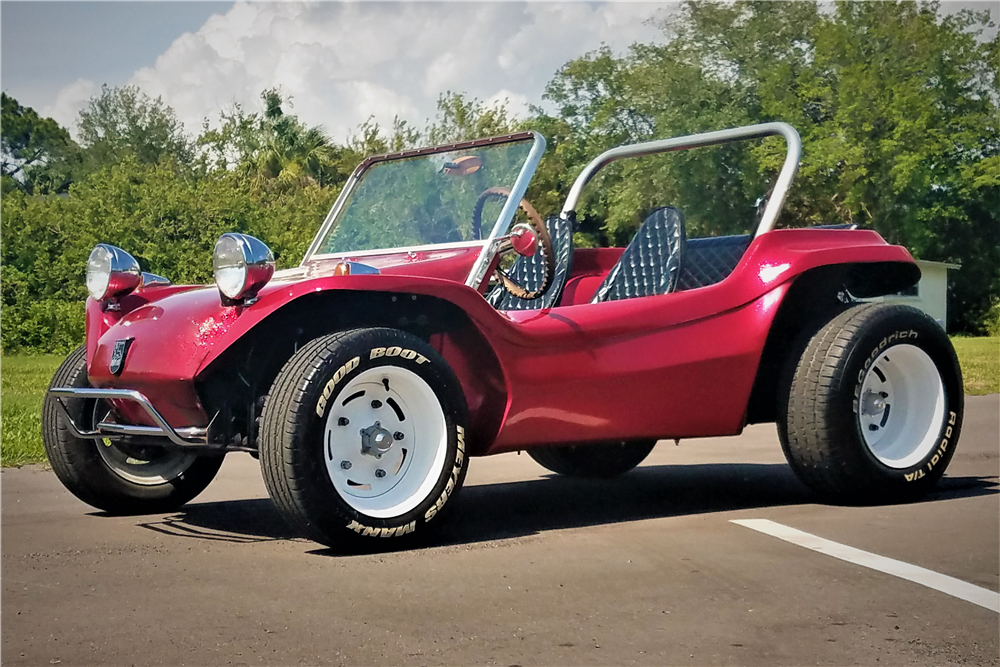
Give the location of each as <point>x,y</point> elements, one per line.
<point>541,232</point>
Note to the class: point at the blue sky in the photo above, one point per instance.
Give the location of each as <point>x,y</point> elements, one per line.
<point>70,40</point>
<point>341,63</point>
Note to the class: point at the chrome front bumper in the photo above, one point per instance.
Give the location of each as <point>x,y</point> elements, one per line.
<point>190,436</point>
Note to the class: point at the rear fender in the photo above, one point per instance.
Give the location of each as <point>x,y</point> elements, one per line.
<point>869,265</point>
<point>815,297</point>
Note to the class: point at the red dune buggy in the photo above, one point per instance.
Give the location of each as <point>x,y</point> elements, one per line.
<point>365,378</point>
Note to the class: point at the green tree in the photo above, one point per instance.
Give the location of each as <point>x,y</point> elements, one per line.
<point>38,155</point>
<point>896,105</point>
<point>120,122</point>
<point>370,139</point>
<point>289,149</point>
<point>459,119</point>
<point>273,148</point>
<point>168,219</point>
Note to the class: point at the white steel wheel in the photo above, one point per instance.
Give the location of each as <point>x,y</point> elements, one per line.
<point>362,438</point>
<point>871,407</point>
<point>901,406</point>
<point>385,441</point>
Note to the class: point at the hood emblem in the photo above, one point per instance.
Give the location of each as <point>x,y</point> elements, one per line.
<point>118,355</point>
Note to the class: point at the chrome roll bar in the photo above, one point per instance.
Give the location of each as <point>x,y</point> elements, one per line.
<point>774,203</point>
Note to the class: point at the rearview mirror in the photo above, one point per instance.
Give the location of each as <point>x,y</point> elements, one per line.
<point>462,166</point>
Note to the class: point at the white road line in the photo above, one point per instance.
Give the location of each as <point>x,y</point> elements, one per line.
<point>929,578</point>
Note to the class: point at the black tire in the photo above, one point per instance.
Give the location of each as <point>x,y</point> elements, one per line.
<point>83,469</point>
<point>597,461</point>
<point>829,412</point>
<point>306,397</point>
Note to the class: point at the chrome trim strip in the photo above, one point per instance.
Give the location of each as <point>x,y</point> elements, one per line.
<point>182,437</point>
<point>396,251</point>
<point>361,269</point>
<point>781,187</point>
<point>153,280</point>
<point>517,192</point>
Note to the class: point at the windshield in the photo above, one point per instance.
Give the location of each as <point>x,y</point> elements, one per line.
<point>427,197</point>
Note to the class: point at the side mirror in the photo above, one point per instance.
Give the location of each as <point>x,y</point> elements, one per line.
<point>522,240</point>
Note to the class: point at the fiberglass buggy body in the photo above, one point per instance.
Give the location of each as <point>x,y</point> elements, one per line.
<point>365,378</point>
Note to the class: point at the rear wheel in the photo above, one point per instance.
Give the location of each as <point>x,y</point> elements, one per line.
<point>873,408</point>
<point>599,461</point>
<point>363,436</point>
<point>119,476</point>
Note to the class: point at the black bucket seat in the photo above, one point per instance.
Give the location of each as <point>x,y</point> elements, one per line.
<point>651,264</point>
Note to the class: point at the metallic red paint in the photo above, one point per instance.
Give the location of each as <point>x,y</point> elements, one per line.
<point>676,365</point>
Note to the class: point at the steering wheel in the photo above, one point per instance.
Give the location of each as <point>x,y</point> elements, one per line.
<point>541,233</point>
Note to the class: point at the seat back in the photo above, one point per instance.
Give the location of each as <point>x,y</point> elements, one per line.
<point>529,272</point>
<point>651,264</point>
<point>711,259</point>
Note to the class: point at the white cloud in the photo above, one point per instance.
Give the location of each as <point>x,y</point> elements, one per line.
<point>66,107</point>
<point>517,104</point>
<point>344,62</point>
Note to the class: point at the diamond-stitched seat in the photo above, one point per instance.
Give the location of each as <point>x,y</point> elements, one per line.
<point>529,272</point>
<point>651,264</point>
<point>709,260</point>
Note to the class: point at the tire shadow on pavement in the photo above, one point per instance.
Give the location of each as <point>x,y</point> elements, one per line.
<point>508,510</point>
<point>501,511</point>
<point>242,521</point>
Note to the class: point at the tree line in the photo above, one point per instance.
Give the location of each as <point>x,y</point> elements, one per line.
<point>897,107</point>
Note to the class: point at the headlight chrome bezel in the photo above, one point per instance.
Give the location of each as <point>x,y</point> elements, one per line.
<point>242,265</point>
<point>111,272</point>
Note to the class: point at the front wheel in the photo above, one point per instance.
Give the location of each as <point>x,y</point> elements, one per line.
<point>597,461</point>
<point>119,476</point>
<point>872,410</point>
<point>363,436</point>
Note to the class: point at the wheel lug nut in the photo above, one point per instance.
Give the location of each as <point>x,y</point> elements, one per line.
<point>345,465</point>
<point>343,421</point>
<point>872,427</point>
<point>379,473</point>
<point>398,435</point>
<point>376,404</point>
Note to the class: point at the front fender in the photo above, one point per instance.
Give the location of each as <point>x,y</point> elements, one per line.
<point>276,296</point>
<point>175,339</point>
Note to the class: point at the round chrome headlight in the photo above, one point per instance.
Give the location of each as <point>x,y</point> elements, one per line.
<point>111,272</point>
<point>242,265</point>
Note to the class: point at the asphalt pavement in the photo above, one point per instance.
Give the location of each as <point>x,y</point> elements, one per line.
<point>647,569</point>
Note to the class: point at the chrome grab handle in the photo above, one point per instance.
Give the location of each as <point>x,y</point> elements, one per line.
<point>183,437</point>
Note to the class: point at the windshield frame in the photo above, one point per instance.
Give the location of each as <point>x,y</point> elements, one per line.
<point>501,225</point>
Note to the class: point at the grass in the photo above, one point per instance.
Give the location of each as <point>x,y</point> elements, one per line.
<point>980,361</point>
<point>23,380</point>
